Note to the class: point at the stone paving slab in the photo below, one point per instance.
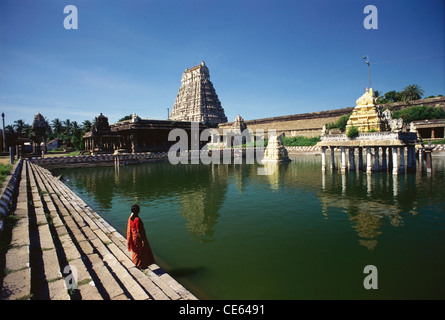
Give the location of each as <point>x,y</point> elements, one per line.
<point>17,258</point>
<point>17,285</point>
<point>103,247</point>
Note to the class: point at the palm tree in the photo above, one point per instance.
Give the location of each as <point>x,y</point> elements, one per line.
<point>377,96</point>
<point>20,127</point>
<point>412,92</point>
<point>57,126</point>
<point>75,127</point>
<point>86,125</point>
<point>67,127</point>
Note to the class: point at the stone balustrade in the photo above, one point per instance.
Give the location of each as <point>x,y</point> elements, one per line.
<point>9,194</point>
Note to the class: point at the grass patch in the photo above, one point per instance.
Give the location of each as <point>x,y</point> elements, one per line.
<point>54,153</point>
<point>441,141</point>
<point>300,141</point>
<point>5,170</point>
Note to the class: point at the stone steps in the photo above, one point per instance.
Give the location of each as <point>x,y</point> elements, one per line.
<point>65,239</point>
<point>16,283</point>
<point>110,246</point>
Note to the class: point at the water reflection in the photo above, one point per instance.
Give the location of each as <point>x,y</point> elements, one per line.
<point>375,200</point>
<point>371,201</point>
<point>198,190</point>
<point>211,224</point>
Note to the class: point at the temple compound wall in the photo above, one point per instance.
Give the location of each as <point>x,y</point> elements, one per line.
<point>305,124</point>
<point>310,124</point>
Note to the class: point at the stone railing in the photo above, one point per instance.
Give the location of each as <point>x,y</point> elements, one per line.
<point>9,194</point>
<point>302,148</point>
<point>372,136</point>
<point>98,160</point>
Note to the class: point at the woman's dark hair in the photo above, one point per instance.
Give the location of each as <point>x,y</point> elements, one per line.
<point>135,208</point>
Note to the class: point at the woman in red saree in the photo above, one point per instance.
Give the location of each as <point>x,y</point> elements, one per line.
<point>137,240</point>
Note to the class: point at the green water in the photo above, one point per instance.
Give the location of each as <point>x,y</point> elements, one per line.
<point>226,232</point>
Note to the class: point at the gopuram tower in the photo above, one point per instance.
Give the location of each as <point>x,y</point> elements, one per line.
<point>197,99</point>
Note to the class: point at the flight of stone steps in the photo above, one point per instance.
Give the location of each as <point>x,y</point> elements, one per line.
<point>61,249</point>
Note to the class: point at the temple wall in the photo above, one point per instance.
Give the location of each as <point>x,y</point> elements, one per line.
<point>432,102</point>
<point>305,124</point>
<point>310,124</point>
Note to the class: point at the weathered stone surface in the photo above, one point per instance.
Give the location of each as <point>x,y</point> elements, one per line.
<point>197,99</point>
<point>16,285</point>
<point>17,258</point>
<point>275,150</point>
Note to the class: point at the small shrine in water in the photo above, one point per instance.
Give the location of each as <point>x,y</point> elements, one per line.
<point>275,150</point>
<point>376,133</point>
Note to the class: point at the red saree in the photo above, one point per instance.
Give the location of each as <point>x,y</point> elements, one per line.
<point>138,243</point>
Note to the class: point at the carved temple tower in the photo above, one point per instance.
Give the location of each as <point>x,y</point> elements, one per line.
<point>366,116</point>
<point>197,99</point>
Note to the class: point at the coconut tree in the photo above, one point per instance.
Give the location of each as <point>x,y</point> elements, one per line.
<point>21,128</point>
<point>67,127</point>
<point>57,126</point>
<point>412,92</point>
<point>377,96</point>
<point>86,125</point>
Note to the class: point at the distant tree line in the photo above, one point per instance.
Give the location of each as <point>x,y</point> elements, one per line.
<point>409,93</point>
<point>67,131</point>
<point>414,113</point>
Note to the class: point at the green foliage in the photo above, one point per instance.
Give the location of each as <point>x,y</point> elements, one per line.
<point>125,118</point>
<point>441,141</point>
<point>300,141</point>
<point>414,113</point>
<point>5,169</point>
<point>412,92</point>
<point>254,144</point>
<point>340,124</point>
<point>352,132</point>
<point>390,97</point>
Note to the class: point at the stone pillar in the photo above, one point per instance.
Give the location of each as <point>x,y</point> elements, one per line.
<point>395,185</point>
<point>323,158</point>
<point>395,164</point>
<point>376,159</point>
<point>402,160</point>
<point>428,159</point>
<point>389,158</point>
<point>368,160</point>
<point>411,161</point>
<point>343,159</point>
<point>360,158</point>
<point>332,158</point>
<point>421,156</point>
<point>368,184</point>
<point>11,154</point>
<point>351,159</point>
<point>343,184</point>
<point>384,164</point>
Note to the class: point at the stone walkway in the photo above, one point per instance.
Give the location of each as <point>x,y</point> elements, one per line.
<point>58,238</point>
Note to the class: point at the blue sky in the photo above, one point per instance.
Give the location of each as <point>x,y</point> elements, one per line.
<point>266,58</point>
